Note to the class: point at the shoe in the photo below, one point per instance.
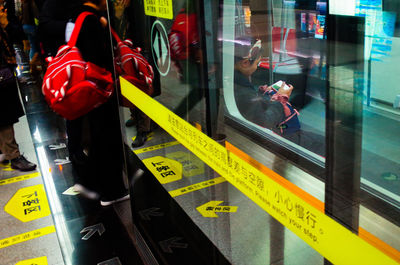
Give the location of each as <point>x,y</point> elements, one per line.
<point>85,192</point>
<point>131,122</point>
<point>106,202</point>
<point>141,138</point>
<point>22,164</point>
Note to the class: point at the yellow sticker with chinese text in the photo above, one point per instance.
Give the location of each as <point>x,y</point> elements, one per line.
<point>28,204</point>
<point>164,169</point>
<point>332,240</point>
<point>159,8</point>
<point>19,178</point>
<point>197,186</point>
<point>36,261</point>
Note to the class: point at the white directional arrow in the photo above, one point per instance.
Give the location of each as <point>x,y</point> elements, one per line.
<point>62,161</point>
<point>156,45</point>
<point>57,146</point>
<point>168,244</point>
<point>114,261</point>
<point>99,228</point>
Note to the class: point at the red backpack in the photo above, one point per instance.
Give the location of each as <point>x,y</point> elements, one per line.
<point>131,65</point>
<point>183,35</point>
<point>71,86</point>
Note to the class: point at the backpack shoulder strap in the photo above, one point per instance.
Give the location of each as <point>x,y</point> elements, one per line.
<point>77,28</point>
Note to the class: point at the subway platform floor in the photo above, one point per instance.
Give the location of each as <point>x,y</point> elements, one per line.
<point>40,221</point>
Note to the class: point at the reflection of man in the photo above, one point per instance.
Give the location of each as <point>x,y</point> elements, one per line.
<point>266,106</point>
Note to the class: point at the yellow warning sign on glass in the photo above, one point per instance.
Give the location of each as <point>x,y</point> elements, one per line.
<point>166,170</point>
<point>28,204</point>
<point>192,165</point>
<point>331,239</point>
<point>159,8</point>
<point>36,261</point>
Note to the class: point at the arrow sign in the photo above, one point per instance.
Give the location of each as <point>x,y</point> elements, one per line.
<point>59,162</point>
<point>92,230</point>
<point>168,244</point>
<point>146,214</point>
<point>114,261</point>
<point>57,146</point>
<point>210,209</point>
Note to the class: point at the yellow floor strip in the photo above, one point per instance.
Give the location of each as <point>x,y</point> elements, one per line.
<point>155,147</point>
<point>26,236</point>
<point>19,178</point>
<point>197,186</point>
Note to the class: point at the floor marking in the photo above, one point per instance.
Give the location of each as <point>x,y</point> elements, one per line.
<point>71,191</point>
<point>6,167</point>
<point>19,178</point>
<point>26,236</point>
<point>36,261</point>
<point>155,147</point>
<point>28,204</point>
<point>91,230</point>
<point>209,209</point>
<point>192,165</point>
<point>164,169</point>
<point>197,186</point>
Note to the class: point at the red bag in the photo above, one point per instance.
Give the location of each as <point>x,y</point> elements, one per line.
<point>71,86</point>
<point>183,35</point>
<point>131,65</point>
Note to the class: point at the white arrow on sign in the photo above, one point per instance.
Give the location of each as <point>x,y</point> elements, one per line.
<point>60,161</point>
<point>57,146</point>
<point>92,230</point>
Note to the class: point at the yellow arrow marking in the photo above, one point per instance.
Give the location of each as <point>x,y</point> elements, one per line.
<point>36,261</point>
<point>149,136</point>
<point>197,186</point>
<point>19,178</point>
<point>28,204</point>
<point>210,209</point>
<point>26,236</point>
<point>155,147</point>
<point>166,170</point>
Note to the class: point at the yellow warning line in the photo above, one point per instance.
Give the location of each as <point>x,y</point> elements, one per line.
<point>26,236</point>
<point>19,178</point>
<point>155,147</point>
<point>197,186</point>
<point>332,240</point>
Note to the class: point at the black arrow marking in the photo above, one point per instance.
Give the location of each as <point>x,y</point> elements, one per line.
<point>146,214</point>
<point>168,244</point>
<point>92,230</point>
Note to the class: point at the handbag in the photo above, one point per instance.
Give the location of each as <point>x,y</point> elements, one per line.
<point>71,86</point>
<point>6,75</point>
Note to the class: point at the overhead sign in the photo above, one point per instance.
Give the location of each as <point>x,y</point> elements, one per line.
<point>210,209</point>
<point>328,237</point>
<point>158,8</point>
<point>28,204</point>
<point>166,170</point>
<point>192,165</point>
<point>160,48</point>
<point>36,261</point>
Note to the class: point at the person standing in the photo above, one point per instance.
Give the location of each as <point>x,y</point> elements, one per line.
<point>10,105</point>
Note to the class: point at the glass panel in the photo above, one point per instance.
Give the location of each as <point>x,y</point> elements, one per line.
<point>292,35</point>
<point>381,108</point>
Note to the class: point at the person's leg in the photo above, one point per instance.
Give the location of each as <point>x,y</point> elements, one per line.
<point>143,128</point>
<point>106,150</point>
<point>30,32</point>
<point>8,145</point>
<point>10,148</point>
